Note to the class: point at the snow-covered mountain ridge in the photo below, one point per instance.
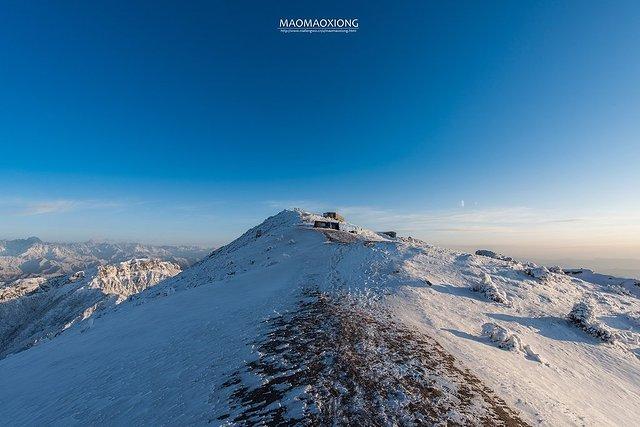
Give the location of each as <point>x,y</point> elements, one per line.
<point>36,309</point>
<point>290,324</point>
<point>31,257</point>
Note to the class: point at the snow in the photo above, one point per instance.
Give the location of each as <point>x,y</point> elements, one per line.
<point>291,323</point>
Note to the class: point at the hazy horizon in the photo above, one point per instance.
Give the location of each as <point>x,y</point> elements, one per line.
<point>618,260</point>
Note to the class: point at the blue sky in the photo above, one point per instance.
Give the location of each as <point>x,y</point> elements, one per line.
<point>464,123</point>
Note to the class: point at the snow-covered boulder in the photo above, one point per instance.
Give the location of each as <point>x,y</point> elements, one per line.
<point>583,315</point>
<point>490,290</point>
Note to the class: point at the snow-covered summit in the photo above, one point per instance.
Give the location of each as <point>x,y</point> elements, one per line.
<point>293,324</point>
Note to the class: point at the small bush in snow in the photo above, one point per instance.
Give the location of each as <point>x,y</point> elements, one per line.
<point>502,336</point>
<point>583,315</point>
<point>491,254</point>
<point>537,272</point>
<point>490,290</point>
<point>508,340</point>
<point>556,269</point>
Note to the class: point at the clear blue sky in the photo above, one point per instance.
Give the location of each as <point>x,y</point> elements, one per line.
<point>460,122</point>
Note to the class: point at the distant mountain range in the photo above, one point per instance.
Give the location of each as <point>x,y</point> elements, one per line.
<point>31,257</point>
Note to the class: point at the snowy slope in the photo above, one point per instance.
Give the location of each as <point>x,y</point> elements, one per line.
<point>33,310</point>
<point>292,324</point>
<point>580,379</point>
<point>23,258</point>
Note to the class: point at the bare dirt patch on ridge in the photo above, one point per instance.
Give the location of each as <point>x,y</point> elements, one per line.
<point>331,362</point>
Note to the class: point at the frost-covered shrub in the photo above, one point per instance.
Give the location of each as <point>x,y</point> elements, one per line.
<point>508,340</point>
<point>490,290</point>
<point>491,254</point>
<point>583,315</point>
<point>502,336</point>
<point>556,269</point>
<point>537,272</point>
